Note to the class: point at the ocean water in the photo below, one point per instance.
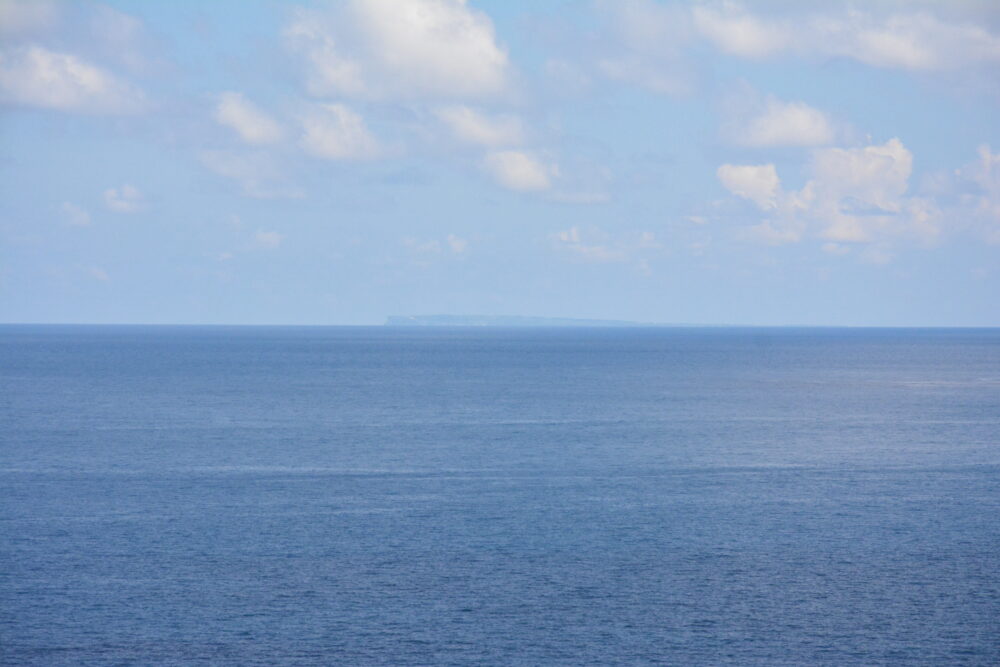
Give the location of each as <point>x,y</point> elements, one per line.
<point>368,495</point>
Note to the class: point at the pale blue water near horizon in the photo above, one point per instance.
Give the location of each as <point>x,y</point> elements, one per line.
<point>370,495</point>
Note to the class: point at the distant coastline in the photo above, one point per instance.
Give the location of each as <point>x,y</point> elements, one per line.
<point>502,321</point>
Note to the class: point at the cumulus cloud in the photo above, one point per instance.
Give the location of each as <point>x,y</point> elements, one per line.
<point>335,132</point>
<point>400,49</point>
<point>860,195</point>
<point>37,77</point>
<point>252,125</point>
<point>75,215</point>
<point>776,123</point>
<point>856,189</point>
<point>856,195</point>
<point>458,245</point>
<point>519,170</point>
<point>758,183</point>
<point>475,127</point>
<point>126,199</point>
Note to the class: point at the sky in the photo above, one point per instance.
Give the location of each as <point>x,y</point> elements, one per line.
<point>255,162</point>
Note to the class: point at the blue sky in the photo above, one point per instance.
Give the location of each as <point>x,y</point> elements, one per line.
<point>337,162</point>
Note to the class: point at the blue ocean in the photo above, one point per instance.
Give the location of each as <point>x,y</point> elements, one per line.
<point>462,496</point>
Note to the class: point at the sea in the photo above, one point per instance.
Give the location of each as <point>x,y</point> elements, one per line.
<point>484,496</point>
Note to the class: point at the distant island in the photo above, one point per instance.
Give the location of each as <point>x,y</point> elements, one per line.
<point>500,321</point>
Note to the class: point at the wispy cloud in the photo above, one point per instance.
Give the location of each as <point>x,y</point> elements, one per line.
<point>269,240</point>
<point>476,127</point>
<point>336,132</point>
<point>257,174</point>
<point>520,170</point>
<point>75,215</point>
<point>124,199</point>
<point>910,40</point>
<point>35,76</point>
<point>252,124</point>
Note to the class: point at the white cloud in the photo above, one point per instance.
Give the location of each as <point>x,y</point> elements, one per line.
<point>268,239</point>
<point>253,125</point>
<point>647,26</point>
<point>758,183</point>
<point>598,253</point>
<point>475,127</point>
<point>985,173</point>
<point>569,239</point>
<point>400,48</point>
<point>647,42</point>
<point>919,41</point>
<point>856,195</point>
<point>518,170</point>
<point>35,76</point>
<point>974,194</point>
<point>595,246</point>
<point>859,189</point>
<point>637,69</point>
<point>126,199</point>
<point>423,253</point>
<point>737,32</point>
<point>335,132</point>
<point>425,249</point>
<point>584,179</point>
<point>457,245</point>
<point>914,40</point>
<point>778,123</point>
<point>656,44</point>
<point>571,235</point>
<point>26,16</point>
<point>257,174</point>
<point>120,38</point>
<point>75,215</point>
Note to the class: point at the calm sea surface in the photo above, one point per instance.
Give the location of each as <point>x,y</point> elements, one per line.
<point>254,495</point>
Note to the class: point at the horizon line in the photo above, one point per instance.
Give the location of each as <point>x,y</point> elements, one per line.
<point>611,325</point>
